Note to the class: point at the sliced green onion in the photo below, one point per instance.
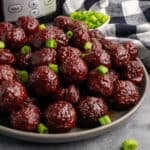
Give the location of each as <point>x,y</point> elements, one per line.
<point>51,43</point>
<point>129,144</point>
<point>42,128</point>
<point>104,120</point>
<point>102,69</point>
<point>42,27</point>
<point>92,18</point>
<point>25,50</point>
<point>2,45</point>
<point>54,67</point>
<point>69,34</point>
<point>83,55</point>
<point>88,46</point>
<point>24,76</point>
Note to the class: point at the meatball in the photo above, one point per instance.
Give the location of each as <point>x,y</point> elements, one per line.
<point>43,81</point>
<point>16,38</point>
<point>98,57</point>
<point>134,72</point>
<point>120,56</point>
<point>12,95</point>
<point>28,23</point>
<point>100,84</point>
<point>26,119</point>
<point>72,94</point>
<point>114,75</point>
<point>65,52</point>
<point>74,70</point>
<point>90,109</point>
<point>4,28</point>
<point>7,73</point>
<point>80,37</point>
<point>96,45</point>
<point>62,22</point>
<point>126,94</point>
<point>132,48</point>
<point>24,59</point>
<point>7,57</point>
<point>43,56</point>
<point>96,34</point>
<point>50,32</point>
<point>60,117</point>
<point>59,93</point>
<point>76,24</point>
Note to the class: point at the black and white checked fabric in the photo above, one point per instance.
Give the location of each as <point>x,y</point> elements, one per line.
<point>129,19</point>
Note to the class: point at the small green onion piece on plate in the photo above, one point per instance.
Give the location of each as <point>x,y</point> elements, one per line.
<point>51,43</point>
<point>104,120</point>
<point>88,46</point>
<point>54,67</point>
<point>42,26</point>
<point>129,144</point>
<point>42,128</point>
<point>2,44</point>
<point>69,34</point>
<point>24,76</point>
<point>25,50</point>
<point>101,69</point>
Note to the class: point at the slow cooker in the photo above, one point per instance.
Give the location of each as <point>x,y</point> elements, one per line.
<point>42,9</point>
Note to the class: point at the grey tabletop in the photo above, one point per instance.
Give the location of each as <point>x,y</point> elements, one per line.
<point>138,127</point>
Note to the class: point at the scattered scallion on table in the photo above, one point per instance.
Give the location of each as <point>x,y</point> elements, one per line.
<point>129,144</point>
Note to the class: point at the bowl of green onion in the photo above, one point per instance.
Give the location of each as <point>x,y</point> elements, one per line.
<point>93,19</point>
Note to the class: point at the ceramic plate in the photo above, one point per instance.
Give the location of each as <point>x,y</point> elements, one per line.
<point>76,134</point>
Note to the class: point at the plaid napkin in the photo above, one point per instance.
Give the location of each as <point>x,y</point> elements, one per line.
<point>129,19</point>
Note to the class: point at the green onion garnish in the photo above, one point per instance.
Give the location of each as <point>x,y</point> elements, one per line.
<point>51,43</point>
<point>54,67</point>
<point>129,144</point>
<point>24,76</point>
<point>104,120</point>
<point>92,18</point>
<point>83,55</point>
<point>2,45</point>
<point>42,128</point>
<point>69,34</point>
<point>42,27</point>
<point>102,69</point>
<point>25,50</point>
<point>88,46</point>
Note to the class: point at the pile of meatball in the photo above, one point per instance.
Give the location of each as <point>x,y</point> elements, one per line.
<point>61,84</point>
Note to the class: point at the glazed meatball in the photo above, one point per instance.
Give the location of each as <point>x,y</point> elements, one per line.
<point>24,59</point>
<point>132,48</point>
<point>126,94</point>
<point>80,37</point>
<point>96,34</point>
<point>28,23</point>
<point>96,45</point>
<point>7,73</point>
<point>72,94</point>
<point>50,32</point>
<point>26,119</point>
<point>134,72</point>
<point>7,57</point>
<point>74,70</point>
<point>98,57</point>
<point>65,52</point>
<point>120,56</point>
<point>12,95</point>
<point>44,56</point>
<point>100,84</point>
<point>16,38</point>
<point>90,109</point>
<point>59,93</point>
<point>114,75</point>
<point>62,22</point>
<point>60,117</point>
<point>4,28</point>
<point>43,81</point>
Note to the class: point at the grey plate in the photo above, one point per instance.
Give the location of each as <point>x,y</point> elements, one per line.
<point>119,117</point>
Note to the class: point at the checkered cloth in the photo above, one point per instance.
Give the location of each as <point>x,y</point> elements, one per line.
<point>129,19</point>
